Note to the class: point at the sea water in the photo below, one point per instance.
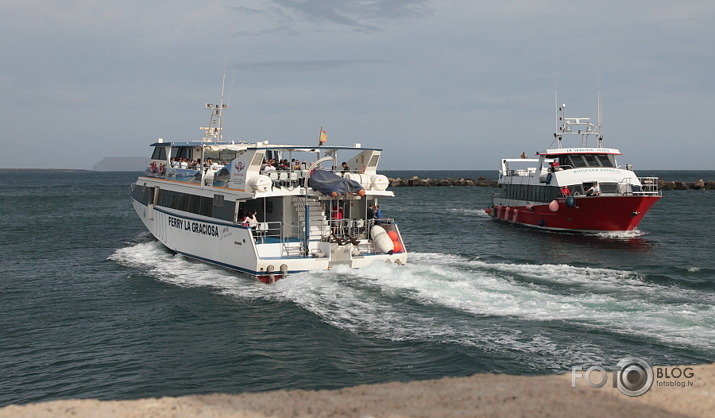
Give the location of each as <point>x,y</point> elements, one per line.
<point>92,307</point>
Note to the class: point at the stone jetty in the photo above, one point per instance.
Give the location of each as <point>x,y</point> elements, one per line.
<point>485,182</point>
<point>684,185</point>
<point>418,182</point>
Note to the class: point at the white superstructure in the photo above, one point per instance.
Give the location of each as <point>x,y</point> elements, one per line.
<point>194,198</point>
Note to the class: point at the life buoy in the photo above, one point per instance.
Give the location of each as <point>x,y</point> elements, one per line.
<point>554,206</point>
<point>381,240</point>
<point>152,166</point>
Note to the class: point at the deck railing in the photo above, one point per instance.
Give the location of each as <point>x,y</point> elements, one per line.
<point>649,186</point>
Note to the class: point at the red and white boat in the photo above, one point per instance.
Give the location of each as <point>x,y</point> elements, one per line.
<point>580,189</point>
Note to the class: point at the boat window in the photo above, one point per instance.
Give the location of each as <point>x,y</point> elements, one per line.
<point>608,187</point>
<point>373,161</point>
<point>273,155</point>
<point>194,204</point>
<point>221,157</point>
<point>579,161</point>
<point>606,160</point>
<point>159,153</point>
<point>532,193</point>
<point>591,160</point>
<point>143,194</point>
<point>223,209</point>
<point>182,152</point>
<point>199,205</point>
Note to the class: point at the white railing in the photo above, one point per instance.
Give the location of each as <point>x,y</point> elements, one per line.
<point>649,186</point>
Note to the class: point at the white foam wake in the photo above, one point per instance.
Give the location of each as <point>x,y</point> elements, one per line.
<point>440,298</point>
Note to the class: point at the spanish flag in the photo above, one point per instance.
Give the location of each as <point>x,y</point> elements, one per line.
<point>323,136</point>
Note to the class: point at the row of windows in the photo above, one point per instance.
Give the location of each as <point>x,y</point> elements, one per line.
<point>530,193</point>
<point>190,153</point>
<point>587,160</point>
<point>215,207</point>
<point>533,193</point>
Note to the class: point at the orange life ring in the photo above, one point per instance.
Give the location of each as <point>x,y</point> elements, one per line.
<point>152,166</point>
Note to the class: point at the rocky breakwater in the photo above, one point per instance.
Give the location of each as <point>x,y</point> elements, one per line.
<point>418,182</point>
<point>684,185</point>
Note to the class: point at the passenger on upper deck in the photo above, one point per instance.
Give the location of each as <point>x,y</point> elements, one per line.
<point>267,166</point>
<point>555,166</point>
<point>345,169</point>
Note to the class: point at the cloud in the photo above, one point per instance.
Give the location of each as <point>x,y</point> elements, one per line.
<point>476,77</point>
<point>361,15</point>
<point>306,65</point>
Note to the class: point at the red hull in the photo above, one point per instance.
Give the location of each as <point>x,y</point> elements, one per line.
<point>588,214</point>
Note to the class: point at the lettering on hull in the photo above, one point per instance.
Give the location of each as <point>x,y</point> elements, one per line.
<point>193,226</point>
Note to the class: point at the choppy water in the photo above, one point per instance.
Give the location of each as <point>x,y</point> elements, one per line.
<point>92,307</point>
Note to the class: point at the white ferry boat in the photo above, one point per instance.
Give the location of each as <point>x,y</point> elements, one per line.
<point>267,210</point>
<point>577,189</point>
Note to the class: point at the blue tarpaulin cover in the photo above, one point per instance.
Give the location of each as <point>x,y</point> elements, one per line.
<point>328,183</point>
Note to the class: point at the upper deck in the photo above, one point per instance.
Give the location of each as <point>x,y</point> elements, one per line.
<point>261,167</point>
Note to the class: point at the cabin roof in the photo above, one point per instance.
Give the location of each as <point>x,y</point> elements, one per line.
<point>563,151</point>
<point>259,146</point>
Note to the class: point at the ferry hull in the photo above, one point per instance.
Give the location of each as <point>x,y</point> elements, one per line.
<point>586,214</point>
<point>235,247</point>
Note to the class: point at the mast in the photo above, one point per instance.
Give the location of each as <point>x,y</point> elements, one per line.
<point>560,123</point>
<point>599,136</point>
<point>213,131</point>
<point>556,107</point>
<point>578,126</point>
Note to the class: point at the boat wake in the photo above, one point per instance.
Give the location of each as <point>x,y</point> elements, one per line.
<point>520,308</point>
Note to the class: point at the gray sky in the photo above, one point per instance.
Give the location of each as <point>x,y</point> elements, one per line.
<point>439,84</point>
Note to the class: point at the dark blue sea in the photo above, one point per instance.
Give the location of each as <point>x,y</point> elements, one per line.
<point>92,307</point>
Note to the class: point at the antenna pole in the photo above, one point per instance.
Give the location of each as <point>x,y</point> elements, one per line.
<point>556,106</point>
<point>213,131</point>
